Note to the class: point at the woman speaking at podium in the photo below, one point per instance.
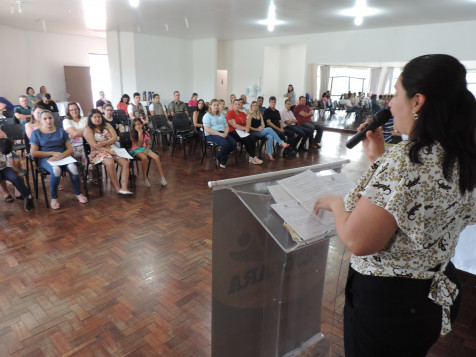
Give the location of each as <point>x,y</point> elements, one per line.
<point>403,218</point>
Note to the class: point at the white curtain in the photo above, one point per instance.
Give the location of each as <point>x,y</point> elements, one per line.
<point>375,74</point>
<point>312,80</point>
<point>325,77</point>
<point>387,85</point>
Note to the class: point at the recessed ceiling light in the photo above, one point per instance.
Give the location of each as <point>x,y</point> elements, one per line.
<point>271,21</point>
<point>95,14</point>
<point>134,3</point>
<point>359,11</point>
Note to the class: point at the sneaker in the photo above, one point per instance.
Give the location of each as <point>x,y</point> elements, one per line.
<point>124,192</point>
<point>163,181</point>
<point>147,183</point>
<point>255,160</point>
<point>29,205</point>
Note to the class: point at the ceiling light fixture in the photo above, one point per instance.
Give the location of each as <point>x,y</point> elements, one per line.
<point>359,11</point>
<point>20,6</point>
<point>166,28</point>
<point>271,21</point>
<point>134,3</point>
<point>186,22</point>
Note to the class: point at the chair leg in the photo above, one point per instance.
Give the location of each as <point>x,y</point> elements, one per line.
<point>148,166</point>
<point>174,142</point>
<point>44,191</point>
<point>204,154</point>
<point>36,184</point>
<point>99,181</point>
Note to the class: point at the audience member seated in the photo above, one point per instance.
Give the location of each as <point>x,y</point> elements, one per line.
<point>5,104</point>
<point>124,103</point>
<point>137,111</point>
<point>304,115</point>
<point>177,106</point>
<point>23,112</point>
<point>245,106</point>
<point>257,128</point>
<point>74,125</point>
<point>101,102</point>
<point>391,136</point>
<point>157,108</point>
<point>260,101</point>
<point>141,149</point>
<point>272,119</point>
<point>193,102</point>
<point>9,172</point>
<point>42,93</point>
<point>34,123</point>
<point>49,144</point>
<point>375,103</point>
<point>217,130</point>
<point>100,135</point>
<point>32,98</point>
<point>222,107</point>
<point>48,104</point>
<point>198,114</point>
<point>236,120</point>
<point>350,108</point>
<point>232,100</point>
<point>292,130</point>
<point>113,121</point>
<point>17,167</point>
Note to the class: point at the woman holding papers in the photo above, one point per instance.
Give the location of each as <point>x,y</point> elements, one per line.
<point>100,136</point>
<point>403,219</point>
<point>50,144</point>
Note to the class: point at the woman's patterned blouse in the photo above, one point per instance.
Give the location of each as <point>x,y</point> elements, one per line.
<point>430,213</point>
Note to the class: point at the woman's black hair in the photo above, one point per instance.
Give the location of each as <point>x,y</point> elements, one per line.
<point>28,88</point>
<point>448,115</point>
<point>134,133</point>
<point>91,125</point>
<point>290,85</point>
<point>204,109</point>
<point>126,96</point>
<point>6,146</point>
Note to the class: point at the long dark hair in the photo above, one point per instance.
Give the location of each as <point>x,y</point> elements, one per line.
<point>134,133</point>
<point>447,116</point>
<point>91,125</point>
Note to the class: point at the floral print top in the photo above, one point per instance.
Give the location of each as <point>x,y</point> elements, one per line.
<point>430,213</point>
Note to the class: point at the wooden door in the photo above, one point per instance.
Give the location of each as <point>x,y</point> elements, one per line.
<point>78,87</point>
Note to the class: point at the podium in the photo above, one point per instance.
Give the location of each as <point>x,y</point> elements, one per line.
<point>267,289</point>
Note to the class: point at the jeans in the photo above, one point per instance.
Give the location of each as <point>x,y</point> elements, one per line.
<point>314,127</point>
<point>10,175</point>
<point>295,134</point>
<point>227,145</point>
<point>270,135</point>
<point>55,176</point>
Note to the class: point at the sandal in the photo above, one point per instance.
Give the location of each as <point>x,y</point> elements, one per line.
<point>8,198</point>
<point>82,199</point>
<point>54,204</point>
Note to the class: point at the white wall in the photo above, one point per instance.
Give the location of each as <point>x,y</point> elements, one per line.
<point>37,58</point>
<point>164,65</point>
<point>205,68</point>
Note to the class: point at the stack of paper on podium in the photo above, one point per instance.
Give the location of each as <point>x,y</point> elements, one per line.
<point>295,198</point>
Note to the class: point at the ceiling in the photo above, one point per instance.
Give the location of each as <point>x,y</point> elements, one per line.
<point>224,19</point>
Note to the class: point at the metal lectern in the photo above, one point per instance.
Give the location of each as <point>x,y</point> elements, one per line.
<point>267,289</point>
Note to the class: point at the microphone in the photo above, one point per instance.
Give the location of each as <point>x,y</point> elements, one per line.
<point>379,119</point>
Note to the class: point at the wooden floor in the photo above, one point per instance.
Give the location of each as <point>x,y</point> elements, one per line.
<point>131,276</point>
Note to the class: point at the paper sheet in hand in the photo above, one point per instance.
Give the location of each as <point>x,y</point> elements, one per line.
<point>121,152</point>
<point>64,161</point>
<point>242,133</point>
<point>306,224</point>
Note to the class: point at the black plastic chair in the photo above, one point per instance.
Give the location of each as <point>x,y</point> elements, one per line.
<point>8,120</point>
<point>15,132</point>
<point>58,120</point>
<point>122,118</point>
<point>183,133</point>
<point>160,128</point>
<point>87,151</point>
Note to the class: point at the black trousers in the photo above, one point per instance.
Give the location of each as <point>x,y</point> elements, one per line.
<point>249,142</point>
<point>392,317</point>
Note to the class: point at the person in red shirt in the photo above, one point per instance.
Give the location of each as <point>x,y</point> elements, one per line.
<point>304,115</point>
<point>237,121</point>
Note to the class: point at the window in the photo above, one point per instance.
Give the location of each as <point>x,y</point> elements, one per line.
<point>346,79</point>
<point>100,80</point>
<point>396,74</point>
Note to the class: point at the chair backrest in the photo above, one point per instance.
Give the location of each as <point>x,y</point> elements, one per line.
<point>8,121</point>
<point>125,140</point>
<point>26,140</point>
<point>180,122</point>
<point>159,122</point>
<point>121,116</point>
<point>58,120</point>
<point>191,109</point>
<point>14,131</point>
